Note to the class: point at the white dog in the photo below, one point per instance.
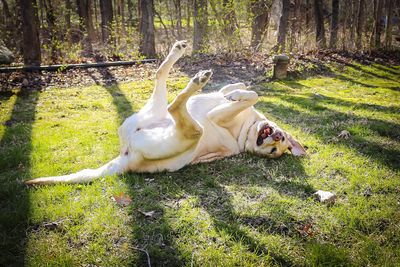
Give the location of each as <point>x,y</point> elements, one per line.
<point>191,129</point>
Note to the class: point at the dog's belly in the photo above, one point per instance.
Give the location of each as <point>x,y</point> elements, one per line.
<point>216,140</point>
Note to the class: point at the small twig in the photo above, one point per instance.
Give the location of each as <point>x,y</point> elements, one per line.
<point>147,254</point>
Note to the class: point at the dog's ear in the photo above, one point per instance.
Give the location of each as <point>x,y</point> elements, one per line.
<point>295,147</point>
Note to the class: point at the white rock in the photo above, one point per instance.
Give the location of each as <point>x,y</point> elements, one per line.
<point>325,196</point>
<point>344,134</point>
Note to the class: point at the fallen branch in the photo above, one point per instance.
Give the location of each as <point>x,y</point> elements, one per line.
<point>144,251</point>
<point>60,67</point>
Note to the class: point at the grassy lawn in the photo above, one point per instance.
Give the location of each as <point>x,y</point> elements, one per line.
<point>240,211</point>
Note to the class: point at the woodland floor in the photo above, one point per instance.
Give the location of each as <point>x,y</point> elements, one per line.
<point>240,211</point>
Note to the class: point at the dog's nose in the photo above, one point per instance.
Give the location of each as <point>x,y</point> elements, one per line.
<point>277,136</point>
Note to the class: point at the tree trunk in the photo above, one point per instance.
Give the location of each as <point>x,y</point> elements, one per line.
<point>200,25</point>
<point>147,40</point>
<point>360,23</point>
<point>319,24</point>
<point>68,8</point>
<point>345,13</point>
<point>121,12</point>
<point>106,19</point>
<point>130,13</point>
<point>334,24</point>
<point>378,23</point>
<point>86,22</point>
<point>89,21</point>
<point>188,14</point>
<point>297,24</point>
<point>51,20</point>
<point>282,27</point>
<point>178,10</point>
<point>353,12</point>
<point>8,25</point>
<point>30,31</point>
<point>388,30</point>
<point>260,13</point>
<point>308,17</point>
<point>229,17</point>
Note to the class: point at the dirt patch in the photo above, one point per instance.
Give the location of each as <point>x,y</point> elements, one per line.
<point>250,69</point>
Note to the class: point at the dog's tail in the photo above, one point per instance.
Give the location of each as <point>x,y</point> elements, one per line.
<point>115,166</point>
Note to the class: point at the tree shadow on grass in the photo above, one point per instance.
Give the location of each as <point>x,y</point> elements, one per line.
<point>347,77</point>
<point>356,105</point>
<point>120,101</point>
<point>153,236</point>
<point>211,184</point>
<point>217,201</point>
<point>391,70</point>
<point>15,151</point>
<point>365,71</point>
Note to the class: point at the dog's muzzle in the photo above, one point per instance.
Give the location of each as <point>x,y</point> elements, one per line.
<point>264,133</point>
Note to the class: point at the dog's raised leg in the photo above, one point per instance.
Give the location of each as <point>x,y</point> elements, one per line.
<point>183,135</point>
<point>240,100</point>
<point>157,103</point>
<point>232,87</point>
<point>185,124</point>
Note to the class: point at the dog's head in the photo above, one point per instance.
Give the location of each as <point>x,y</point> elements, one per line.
<point>267,139</point>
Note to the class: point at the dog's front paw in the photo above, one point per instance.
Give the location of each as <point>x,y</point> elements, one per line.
<point>179,48</point>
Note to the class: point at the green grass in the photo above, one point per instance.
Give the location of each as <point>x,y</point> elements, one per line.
<point>242,211</point>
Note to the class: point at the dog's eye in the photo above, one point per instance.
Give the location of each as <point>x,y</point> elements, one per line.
<point>283,139</point>
<point>273,150</point>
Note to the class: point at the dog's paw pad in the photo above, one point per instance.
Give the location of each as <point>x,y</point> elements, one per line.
<point>202,77</point>
<point>180,45</point>
<point>196,80</point>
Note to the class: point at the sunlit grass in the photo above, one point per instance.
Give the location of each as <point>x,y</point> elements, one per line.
<point>244,210</point>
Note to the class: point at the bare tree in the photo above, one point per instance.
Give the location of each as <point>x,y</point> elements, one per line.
<point>85,22</point>
<point>283,25</point>
<point>378,6</point>
<point>178,10</point>
<point>130,13</point>
<point>146,27</point>
<point>200,25</point>
<point>334,24</point>
<point>67,17</point>
<point>30,30</point>
<point>319,24</point>
<point>388,29</point>
<point>188,14</point>
<point>229,17</point>
<point>360,23</point>
<point>51,26</point>
<point>260,10</point>
<point>7,21</point>
<point>106,19</point>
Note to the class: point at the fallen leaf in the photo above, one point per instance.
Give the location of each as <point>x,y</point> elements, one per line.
<point>306,230</point>
<point>122,199</point>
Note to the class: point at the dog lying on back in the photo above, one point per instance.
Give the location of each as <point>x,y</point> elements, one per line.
<point>192,129</point>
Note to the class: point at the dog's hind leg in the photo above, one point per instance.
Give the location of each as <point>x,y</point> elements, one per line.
<point>232,87</point>
<point>185,124</point>
<point>116,166</point>
<point>224,114</point>
<point>157,104</point>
